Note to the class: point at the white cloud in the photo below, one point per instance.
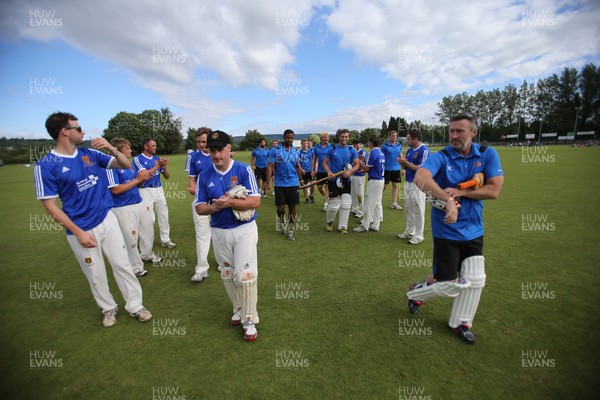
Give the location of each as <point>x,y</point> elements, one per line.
<point>440,46</point>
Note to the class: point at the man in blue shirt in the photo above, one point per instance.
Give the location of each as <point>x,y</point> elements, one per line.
<point>152,192</point>
<point>458,263</point>
<point>234,238</point>
<point>319,153</point>
<point>258,161</point>
<point>375,166</point>
<point>284,165</point>
<point>392,150</point>
<point>306,161</point>
<point>414,199</point>
<point>75,175</point>
<point>340,158</point>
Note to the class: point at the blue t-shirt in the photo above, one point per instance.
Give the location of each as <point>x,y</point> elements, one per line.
<point>376,161</point>
<point>118,177</point>
<point>391,153</point>
<point>321,152</point>
<point>284,162</point>
<point>306,160</point>
<point>417,157</point>
<point>363,153</point>
<point>79,181</point>
<point>449,171</point>
<point>198,163</point>
<point>261,157</point>
<point>142,162</point>
<point>339,157</point>
<point>213,184</point>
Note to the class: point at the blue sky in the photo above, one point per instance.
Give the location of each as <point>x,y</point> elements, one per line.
<point>308,65</point>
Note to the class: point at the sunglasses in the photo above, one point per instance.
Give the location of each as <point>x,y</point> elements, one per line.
<point>77,128</point>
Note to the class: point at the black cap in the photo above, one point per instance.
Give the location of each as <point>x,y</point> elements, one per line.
<point>218,139</point>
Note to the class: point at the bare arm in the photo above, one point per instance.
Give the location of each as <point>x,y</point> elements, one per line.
<point>489,191</point>
<point>120,161</point>
<point>250,202</point>
<point>84,238</point>
<point>424,181</point>
<point>192,185</point>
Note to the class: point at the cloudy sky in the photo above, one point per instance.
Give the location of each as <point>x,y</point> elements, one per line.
<point>308,65</point>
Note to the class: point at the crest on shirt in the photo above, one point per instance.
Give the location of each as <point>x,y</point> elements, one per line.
<point>478,164</point>
<point>233,181</point>
<point>87,162</point>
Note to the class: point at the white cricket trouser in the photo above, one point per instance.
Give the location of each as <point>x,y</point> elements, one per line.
<point>414,201</point>
<point>129,218</point>
<point>236,247</point>
<point>203,234</point>
<point>111,243</point>
<point>155,197</point>
<point>373,210</point>
<point>357,192</point>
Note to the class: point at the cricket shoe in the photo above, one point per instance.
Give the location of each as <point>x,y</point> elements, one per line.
<point>404,235</point>
<point>169,244</point>
<point>396,206</point>
<point>142,315</point>
<point>360,229</point>
<point>199,276</point>
<point>343,231</point>
<point>154,259</point>
<point>464,333</point>
<point>413,305</point>
<point>291,235</point>
<point>359,214</point>
<point>110,318</point>
<point>414,240</point>
<point>250,332</point>
<point>329,227</point>
<point>141,272</point>
<point>236,318</point>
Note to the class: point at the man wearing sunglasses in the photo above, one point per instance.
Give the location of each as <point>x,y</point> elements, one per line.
<point>75,175</point>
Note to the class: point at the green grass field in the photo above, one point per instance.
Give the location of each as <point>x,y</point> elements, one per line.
<point>333,320</point>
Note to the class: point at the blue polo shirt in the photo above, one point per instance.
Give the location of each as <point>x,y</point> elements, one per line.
<point>306,160</point>
<point>452,169</point>
<point>261,157</point>
<point>391,153</point>
<point>285,161</point>
<point>321,152</point>
<point>339,157</point>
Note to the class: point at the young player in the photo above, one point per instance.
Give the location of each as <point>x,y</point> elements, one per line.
<point>375,166</point>
<point>357,182</point>
<point>152,192</point>
<point>458,263</point>
<point>74,174</point>
<point>228,192</point>
<point>319,153</point>
<point>200,161</point>
<point>132,214</point>
<point>414,199</point>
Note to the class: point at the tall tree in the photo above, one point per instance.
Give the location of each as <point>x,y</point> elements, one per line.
<point>128,126</point>
<point>250,140</point>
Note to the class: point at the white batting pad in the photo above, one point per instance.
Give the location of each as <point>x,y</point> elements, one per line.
<point>423,292</point>
<point>248,292</point>
<point>346,204</point>
<point>230,287</point>
<point>332,208</point>
<point>465,305</point>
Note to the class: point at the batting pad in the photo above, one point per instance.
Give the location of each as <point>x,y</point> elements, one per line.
<point>424,292</point>
<point>346,204</point>
<point>230,287</point>
<point>248,291</point>
<point>465,305</point>
<point>332,208</point>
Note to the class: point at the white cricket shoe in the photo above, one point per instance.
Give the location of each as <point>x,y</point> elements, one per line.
<point>360,229</point>
<point>396,206</point>
<point>199,276</point>
<point>141,272</point>
<point>250,332</point>
<point>154,259</point>
<point>415,241</point>
<point>169,244</point>
<point>142,315</point>
<point>236,318</point>
<point>404,235</point>
<point>110,318</point>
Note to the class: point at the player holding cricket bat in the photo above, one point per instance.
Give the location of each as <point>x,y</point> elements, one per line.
<point>458,263</point>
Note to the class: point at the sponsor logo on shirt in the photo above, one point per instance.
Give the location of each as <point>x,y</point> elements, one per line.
<point>87,183</point>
